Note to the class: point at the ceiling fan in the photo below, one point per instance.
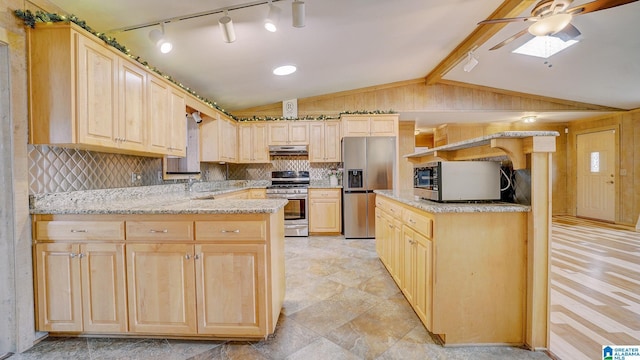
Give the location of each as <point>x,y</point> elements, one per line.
<point>553,18</point>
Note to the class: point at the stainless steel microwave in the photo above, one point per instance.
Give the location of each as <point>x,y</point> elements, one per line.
<point>457,181</point>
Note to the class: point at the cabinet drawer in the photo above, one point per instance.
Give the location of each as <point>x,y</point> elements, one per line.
<point>160,230</point>
<point>389,207</point>
<point>231,230</point>
<point>324,194</point>
<point>79,230</point>
<point>421,223</point>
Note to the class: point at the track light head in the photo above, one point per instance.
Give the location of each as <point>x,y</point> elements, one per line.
<point>271,22</point>
<point>471,62</point>
<point>196,116</point>
<point>226,26</point>
<point>159,39</point>
<point>298,12</point>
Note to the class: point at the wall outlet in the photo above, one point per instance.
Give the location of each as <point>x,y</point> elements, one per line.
<point>135,177</point>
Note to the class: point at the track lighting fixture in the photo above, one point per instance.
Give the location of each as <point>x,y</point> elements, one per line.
<point>226,26</point>
<point>271,22</point>
<point>298,13</point>
<point>471,62</point>
<point>160,40</point>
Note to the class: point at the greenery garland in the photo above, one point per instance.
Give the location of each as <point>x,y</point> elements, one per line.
<point>30,19</point>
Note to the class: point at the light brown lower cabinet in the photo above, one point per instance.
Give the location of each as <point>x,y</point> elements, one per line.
<point>325,211</point>
<point>463,273</point>
<point>204,276</point>
<point>81,287</point>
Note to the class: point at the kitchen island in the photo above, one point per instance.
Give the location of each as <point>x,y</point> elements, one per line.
<point>158,261</point>
<point>461,266</point>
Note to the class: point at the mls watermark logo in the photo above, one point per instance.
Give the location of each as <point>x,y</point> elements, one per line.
<point>629,352</point>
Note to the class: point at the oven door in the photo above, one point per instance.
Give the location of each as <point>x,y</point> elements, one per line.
<point>296,221</point>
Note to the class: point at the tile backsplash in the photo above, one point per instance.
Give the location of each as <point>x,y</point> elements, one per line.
<point>55,169</point>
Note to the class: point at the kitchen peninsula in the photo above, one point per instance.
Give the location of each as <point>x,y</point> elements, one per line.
<point>158,261</point>
<point>462,267</point>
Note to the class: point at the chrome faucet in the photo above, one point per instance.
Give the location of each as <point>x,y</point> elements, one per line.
<point>192,181</point>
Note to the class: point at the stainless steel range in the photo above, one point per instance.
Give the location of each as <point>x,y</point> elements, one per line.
<point>293,186</point>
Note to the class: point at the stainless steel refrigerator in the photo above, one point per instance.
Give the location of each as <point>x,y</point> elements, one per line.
<point>368,166</point>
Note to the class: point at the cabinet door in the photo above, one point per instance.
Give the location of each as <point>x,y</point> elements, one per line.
<point>59,299</point>
<point>245,143</point>
<point>380,231</point>
<point>316,142</point>
<point>231,289</point>
<point>355,126</point>
<point>103,288</point>
<point>278,133</point>
<point>332,141</point>
<point>424,280</point>
<point>396,251</point>
<point>228,141</point>
<point>408,283</point>
<point>298,133</point>
<point>324,214</point>
<point>158,124</point>
<point>259,143</point>
<point>161,284</point>
<point>97,93</point>
<point>384,126</point>
<point>178,123</point>
<point>132,110</point>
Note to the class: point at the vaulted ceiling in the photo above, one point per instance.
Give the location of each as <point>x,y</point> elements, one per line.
<point>353,44</point>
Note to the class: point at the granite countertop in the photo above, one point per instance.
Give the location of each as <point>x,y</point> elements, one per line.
<point>158,199</point>
<point>406,197</point>
<point>323,184</point>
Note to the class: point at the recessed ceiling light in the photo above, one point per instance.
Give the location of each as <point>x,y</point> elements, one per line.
<point>529,119</point>
<point>284,70</point>
<point>543,46</point>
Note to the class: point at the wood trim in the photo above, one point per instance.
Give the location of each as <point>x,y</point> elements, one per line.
<point>509,8</point>
<point>576,105</point>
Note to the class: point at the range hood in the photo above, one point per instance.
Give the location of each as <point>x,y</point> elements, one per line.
<point>288,150</point>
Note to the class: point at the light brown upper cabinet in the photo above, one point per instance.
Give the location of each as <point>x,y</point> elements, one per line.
<point>289,133</point>
<point>324,141</point>
<point>87,95</point>
<point>218,139</point>
<point>369,125</point>
<point>252,137</point>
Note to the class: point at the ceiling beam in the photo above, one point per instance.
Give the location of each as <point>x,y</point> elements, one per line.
<point>509,8</point>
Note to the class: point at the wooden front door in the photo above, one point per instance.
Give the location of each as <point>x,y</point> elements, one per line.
<point>596,169</point>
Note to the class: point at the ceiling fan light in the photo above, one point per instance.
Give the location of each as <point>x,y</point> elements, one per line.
<point>226,26</point>
<point>550,25</point>
<point>298,12</point>
<point>271,22</point>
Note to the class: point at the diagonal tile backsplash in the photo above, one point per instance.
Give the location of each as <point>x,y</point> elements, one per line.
<point>55,169</point>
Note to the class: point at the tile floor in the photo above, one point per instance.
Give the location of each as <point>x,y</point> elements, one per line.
<point>341,304</point>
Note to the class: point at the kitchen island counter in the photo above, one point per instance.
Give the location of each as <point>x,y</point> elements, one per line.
<point>406,197</point>
<point>158,261</point>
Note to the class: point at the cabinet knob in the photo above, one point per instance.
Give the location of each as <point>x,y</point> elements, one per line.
<point>197,256</point>
<point>72,255</point>
<point>81,255</point>
<point>187,256</point>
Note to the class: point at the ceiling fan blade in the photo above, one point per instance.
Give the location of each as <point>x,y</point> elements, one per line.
<point>506,20</point>
<point>568,33</point>
<point>505,42</point>
<point>597,5</point>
